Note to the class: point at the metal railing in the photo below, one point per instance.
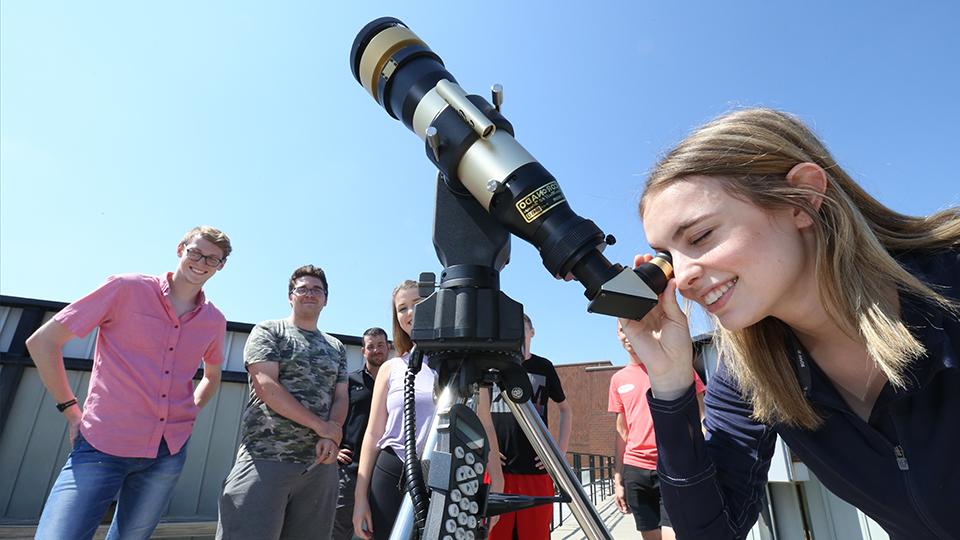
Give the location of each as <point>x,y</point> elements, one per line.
<point>596,476</point>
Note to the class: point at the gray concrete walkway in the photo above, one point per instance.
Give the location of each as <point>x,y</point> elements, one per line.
<point>621,526</point>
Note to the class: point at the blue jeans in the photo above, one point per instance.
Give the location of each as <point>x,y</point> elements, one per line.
<point>90,480</point>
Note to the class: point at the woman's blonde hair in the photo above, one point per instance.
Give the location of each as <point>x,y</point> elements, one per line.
<point>401,340</point>
<point>750,152</point>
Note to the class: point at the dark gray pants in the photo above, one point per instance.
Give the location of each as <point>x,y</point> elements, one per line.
<point>266,500</point>
<point>343,524</point>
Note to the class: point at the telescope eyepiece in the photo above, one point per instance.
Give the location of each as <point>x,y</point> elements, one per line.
<point>657,272</point>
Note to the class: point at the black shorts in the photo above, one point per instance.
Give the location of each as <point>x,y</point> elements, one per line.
<point>641,488</point>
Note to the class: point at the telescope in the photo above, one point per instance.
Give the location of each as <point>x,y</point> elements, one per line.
<point>473,146</point>
<point>465,328</point>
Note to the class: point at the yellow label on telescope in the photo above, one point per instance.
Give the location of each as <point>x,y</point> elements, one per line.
<point>539,201</point>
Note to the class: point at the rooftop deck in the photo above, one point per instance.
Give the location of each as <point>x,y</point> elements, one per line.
<point>621,526</point>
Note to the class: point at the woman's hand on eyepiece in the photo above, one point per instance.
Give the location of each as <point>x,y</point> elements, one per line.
<point>661,340</point>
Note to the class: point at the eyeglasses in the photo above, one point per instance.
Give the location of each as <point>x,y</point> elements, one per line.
<point>209,260</point>
<point>309,291</point>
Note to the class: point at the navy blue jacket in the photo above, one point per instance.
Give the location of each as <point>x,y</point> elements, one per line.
<point>902,468</point>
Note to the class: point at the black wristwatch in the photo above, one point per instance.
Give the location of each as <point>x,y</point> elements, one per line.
<point>66,404</point>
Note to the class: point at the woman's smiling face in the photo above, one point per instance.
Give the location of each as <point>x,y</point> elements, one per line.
<point>740,262</point>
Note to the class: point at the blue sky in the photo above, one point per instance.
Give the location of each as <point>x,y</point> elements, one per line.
<point>123,124</point>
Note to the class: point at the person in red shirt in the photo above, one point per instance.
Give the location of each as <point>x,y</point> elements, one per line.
<point>635,481</point>
<point>129,437</point>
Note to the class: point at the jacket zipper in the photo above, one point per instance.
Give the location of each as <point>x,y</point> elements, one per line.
<point>904,466</point>
<point>901,459</point>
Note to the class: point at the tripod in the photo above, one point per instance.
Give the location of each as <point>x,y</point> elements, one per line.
<point>471,335</point>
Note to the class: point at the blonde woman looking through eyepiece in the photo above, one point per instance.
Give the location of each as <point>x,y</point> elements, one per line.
<point>836,323</point>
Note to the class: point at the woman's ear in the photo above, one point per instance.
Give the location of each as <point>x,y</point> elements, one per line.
<point>812,177</point>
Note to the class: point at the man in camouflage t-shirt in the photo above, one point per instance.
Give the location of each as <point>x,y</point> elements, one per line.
<point>284,482</point>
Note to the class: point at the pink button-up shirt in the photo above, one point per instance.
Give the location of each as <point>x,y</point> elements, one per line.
<point>141,388</point>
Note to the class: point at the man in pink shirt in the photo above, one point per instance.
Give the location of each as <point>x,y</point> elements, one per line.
<point>129,437</point>
<point>635,481</point>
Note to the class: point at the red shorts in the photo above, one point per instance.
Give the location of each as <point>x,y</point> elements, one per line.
<point>531,523</point>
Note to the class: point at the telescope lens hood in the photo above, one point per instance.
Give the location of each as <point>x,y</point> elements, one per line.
<point>363,38</point>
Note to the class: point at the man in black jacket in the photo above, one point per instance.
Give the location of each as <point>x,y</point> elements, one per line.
<point>375,351</point>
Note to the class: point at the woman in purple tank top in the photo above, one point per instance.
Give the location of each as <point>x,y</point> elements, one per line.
<point>378,493</point>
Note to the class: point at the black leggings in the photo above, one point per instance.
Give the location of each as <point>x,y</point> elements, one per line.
<point>385,494</point>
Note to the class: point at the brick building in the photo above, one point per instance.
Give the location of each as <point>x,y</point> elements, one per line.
<point>586,385</point>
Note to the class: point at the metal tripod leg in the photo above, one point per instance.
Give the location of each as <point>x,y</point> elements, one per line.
<point>533,427</point>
